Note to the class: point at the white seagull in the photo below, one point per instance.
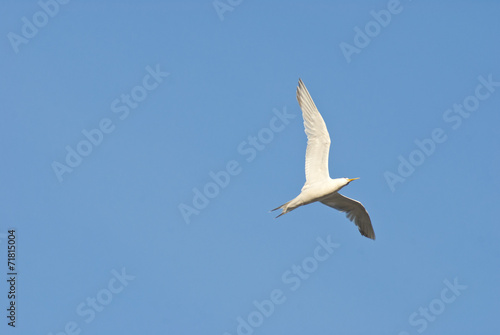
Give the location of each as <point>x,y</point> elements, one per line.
<point>319,186</point>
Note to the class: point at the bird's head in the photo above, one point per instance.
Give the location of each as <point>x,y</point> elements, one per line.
<point>347,180</point>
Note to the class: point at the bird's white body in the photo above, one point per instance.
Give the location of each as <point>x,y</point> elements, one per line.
<point>315,192</point>
<point>319,186</point>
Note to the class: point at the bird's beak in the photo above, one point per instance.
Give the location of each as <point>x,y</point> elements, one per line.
<point>352,179</point>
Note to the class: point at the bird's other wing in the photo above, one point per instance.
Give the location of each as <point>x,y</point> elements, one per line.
<point>318,139</point>
<point>354,211</point>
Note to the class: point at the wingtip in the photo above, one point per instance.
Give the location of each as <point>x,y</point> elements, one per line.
<point>370,236</point>
<point>300,88</point>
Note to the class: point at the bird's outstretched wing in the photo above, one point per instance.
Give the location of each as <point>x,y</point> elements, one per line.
<point>354,211</point>
<point>318,139</point>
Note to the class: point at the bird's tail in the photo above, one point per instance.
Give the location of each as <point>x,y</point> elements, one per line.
<point>284,207</point>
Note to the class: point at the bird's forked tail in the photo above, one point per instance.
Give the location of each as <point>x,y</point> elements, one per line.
<point>284,207</point>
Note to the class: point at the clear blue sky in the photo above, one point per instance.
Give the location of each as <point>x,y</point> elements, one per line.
<point>117,115</point>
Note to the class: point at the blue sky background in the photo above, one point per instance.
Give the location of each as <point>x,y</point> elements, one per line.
<point>119,209</point>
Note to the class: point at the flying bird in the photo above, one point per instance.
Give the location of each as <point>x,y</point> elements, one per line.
<point>319,186</point>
